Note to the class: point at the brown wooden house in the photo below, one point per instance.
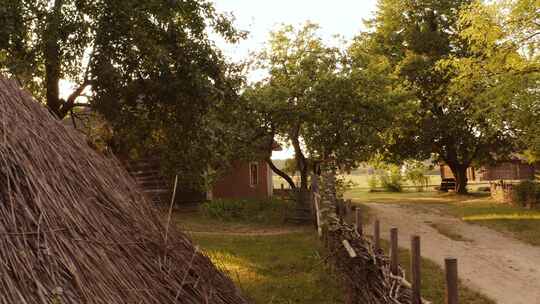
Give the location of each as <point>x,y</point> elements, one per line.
<point>245,180</point>
<point>516,168</point>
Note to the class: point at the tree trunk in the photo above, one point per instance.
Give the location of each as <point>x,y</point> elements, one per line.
<point>52,60</point>
<point>460,174</point>
<point>284,175</point>
<point>301,161</point>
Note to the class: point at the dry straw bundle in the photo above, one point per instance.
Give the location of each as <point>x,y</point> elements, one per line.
<point>74,228</point>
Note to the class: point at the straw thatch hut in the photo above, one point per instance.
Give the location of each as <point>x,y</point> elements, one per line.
<point>74,228</point>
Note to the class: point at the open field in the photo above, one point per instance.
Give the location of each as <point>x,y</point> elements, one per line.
<point>289,267</point>
<point>360,182</point>
<point>477,208</point>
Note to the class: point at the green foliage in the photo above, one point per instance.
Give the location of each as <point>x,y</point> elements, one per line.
<point>147,66</point>
<point>290,166</point>
<point>247,210</point>
<point>415,172</point>
<point>392,180</point>
<point>373,182</point>
<point>505,39</point>
<point>343,184</point>
<point>526,193</point>
<point>447,108</point>
<point>315,99</point>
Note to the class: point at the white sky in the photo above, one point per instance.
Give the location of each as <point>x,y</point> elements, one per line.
<point>259,17</point>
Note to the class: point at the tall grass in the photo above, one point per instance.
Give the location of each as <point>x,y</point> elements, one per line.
<point>265,211</point>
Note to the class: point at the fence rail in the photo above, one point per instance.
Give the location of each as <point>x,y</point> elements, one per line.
<point>370,276</point>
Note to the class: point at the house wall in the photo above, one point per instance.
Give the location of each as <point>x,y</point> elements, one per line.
<point>236,184</point>
<point>446,172</point>
<point>515,170</point>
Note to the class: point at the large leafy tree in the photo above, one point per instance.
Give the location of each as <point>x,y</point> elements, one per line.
<point>505,39</point>
<point>444,116</point>
<point>313,99</point>
<point>147,66</point>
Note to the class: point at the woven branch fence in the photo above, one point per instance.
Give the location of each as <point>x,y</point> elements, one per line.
<point>369,276</point>
<point>74,228</point>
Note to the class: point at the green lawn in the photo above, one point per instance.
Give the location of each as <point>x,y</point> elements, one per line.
<point>275,269</point>
<point>288,268</point>
<point>477,208</point>
<point>522,223</point>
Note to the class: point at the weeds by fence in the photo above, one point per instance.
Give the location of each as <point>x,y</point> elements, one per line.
<point>368,274</point>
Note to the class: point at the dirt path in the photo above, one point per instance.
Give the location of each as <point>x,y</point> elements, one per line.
<point>495,264</point>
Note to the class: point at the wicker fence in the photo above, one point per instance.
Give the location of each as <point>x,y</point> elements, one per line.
<point>369,275</point>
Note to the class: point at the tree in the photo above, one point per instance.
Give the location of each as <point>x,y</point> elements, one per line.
<point>312,98</point>
<point>147,66</point>
<point>43,42</point>
<point>505,38</point>
<point>444,115</point>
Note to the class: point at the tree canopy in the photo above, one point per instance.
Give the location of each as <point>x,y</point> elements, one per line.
<point>314,99</point>
<point>147,66</point>
<point>451,112</point>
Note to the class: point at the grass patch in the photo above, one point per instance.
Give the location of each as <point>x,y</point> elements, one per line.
<point>275,269</point>
<point>449,232</point>
<point>248,210</point>
<point>523,224</point>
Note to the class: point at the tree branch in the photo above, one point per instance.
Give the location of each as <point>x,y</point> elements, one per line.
<point>284,175</point>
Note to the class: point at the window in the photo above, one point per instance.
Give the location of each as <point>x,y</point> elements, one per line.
<point>253,174</point>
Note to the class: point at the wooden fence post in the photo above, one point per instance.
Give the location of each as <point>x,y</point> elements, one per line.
<point>451,281</point>
<point>394,254</point>
<point>415,270</point>
<point>359,228</point>
<point>377,235</point>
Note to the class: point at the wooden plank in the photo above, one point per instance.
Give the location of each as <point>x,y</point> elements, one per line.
<point>451,281</point>
<point>316,199</point>
<point>377,235</point>
<point>359,225</point>
<point>415,270</point>
<point>394,254</point>
<point>349,249</point>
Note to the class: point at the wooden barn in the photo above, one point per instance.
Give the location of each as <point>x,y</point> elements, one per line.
<point>517,168</point>
<point>246,179</point>
<point>514,169</point>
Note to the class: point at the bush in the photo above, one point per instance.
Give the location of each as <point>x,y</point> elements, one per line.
<point>373,182</point>
<point>392,180</point>
<point>415,172</point>
<point>247,210</point>
<point>526,193</point>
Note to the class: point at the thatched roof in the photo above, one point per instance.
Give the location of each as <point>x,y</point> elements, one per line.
<point>74,228</point>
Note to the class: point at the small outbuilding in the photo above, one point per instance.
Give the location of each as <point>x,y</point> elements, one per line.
<point>246,179</point>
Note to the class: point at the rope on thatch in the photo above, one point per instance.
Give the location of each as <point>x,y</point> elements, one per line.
<point>365,272</point>
<point>74,228</point>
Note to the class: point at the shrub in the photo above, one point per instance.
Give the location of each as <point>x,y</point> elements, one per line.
<point>373,182</point>
<point>392,180</point>
<point>415,172</point>
<point>526,193</point>
<point>247,210</point>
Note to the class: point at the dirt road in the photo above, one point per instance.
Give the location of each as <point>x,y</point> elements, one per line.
<point>495,264</point>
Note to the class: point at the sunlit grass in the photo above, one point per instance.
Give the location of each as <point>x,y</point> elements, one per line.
<point>275,269</point>
<point>492,217</point>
